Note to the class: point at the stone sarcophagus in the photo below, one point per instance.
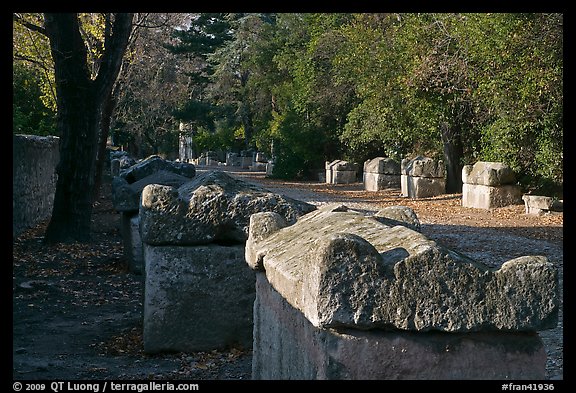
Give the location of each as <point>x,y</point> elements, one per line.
<point>422,177</point>
<point>198,292</point>
<point>341,172</point>
<point>341,295</point>
<point>488,185</point>
<point>126,191</point>
<point>381,173</point>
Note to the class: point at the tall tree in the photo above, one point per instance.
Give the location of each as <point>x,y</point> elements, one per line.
<point>205,33</point>
<point>81,97</point>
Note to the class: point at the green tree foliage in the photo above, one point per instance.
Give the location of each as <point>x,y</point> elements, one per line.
<point>519,94</point>
<point>461,87</point>
<point>494,79</point>
<point>309,102</point>
<point>34,94</point>
<point>29,114</point>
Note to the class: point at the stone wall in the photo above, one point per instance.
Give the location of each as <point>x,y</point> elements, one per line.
<point>34,160</point>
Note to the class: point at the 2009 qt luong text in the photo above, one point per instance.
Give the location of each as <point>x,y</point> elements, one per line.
<point>121,386</point>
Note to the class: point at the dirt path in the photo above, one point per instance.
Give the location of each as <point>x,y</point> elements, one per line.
<point>77,313</point>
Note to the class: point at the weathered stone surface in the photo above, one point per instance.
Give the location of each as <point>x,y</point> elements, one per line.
<point>153,164</point>
<point>422,187</point>
<point>488,174</point>
<point>257,167</point>
<point>260,157</point>
<point>123,198</point>
<point>213,207</point>
<point>422,177</point>
<point>269,168</point>
<point>126,197</point>
<point>344,177</point>
<point>117,154</point>
<point>197,298</point>
<point>423,167</point>
<point>232,159</point>
<point>341,268</point>
<point>378,181</point>
<point>115,167</point>
<point>124,160</point>
<point>245,162</point>
<point>288,346</point>
<point>488,197</point>
<point>262,225</point>
<point>398,215</point>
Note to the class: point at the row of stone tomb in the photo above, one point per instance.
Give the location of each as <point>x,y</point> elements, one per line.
<point>326,293</point>
<point>485,185</point>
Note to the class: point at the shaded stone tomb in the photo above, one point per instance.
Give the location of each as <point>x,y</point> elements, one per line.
<point>126,191</point>
<point>422,177</point>
<point>341,172</point>
<point>340,295</point>
<point>488,185</point>
<point>199,293</point>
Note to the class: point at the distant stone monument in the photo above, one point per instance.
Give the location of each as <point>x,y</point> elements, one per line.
<point>422,177</point>
<point>488,185</point>
<point>340,295</point>
<point>539,204</point>
<point>341,172</point>
<point>381,173</point>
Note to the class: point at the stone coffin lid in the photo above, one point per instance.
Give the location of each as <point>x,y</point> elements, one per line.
<point>386,166</point>
<point>488,174</point>
<point>341,268</point>
<point>341,165</point>
<point>212,207</point>
<point>126,197</point>
<point>423,167</point>
<point>153,164</point>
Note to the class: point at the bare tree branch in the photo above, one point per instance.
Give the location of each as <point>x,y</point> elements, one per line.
<point>20,19</point>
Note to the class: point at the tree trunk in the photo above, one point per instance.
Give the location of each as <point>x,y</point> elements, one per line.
<point>453,152</point>
<point>80,103</point>
<point>78,127</point>
<point>104,132</point>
